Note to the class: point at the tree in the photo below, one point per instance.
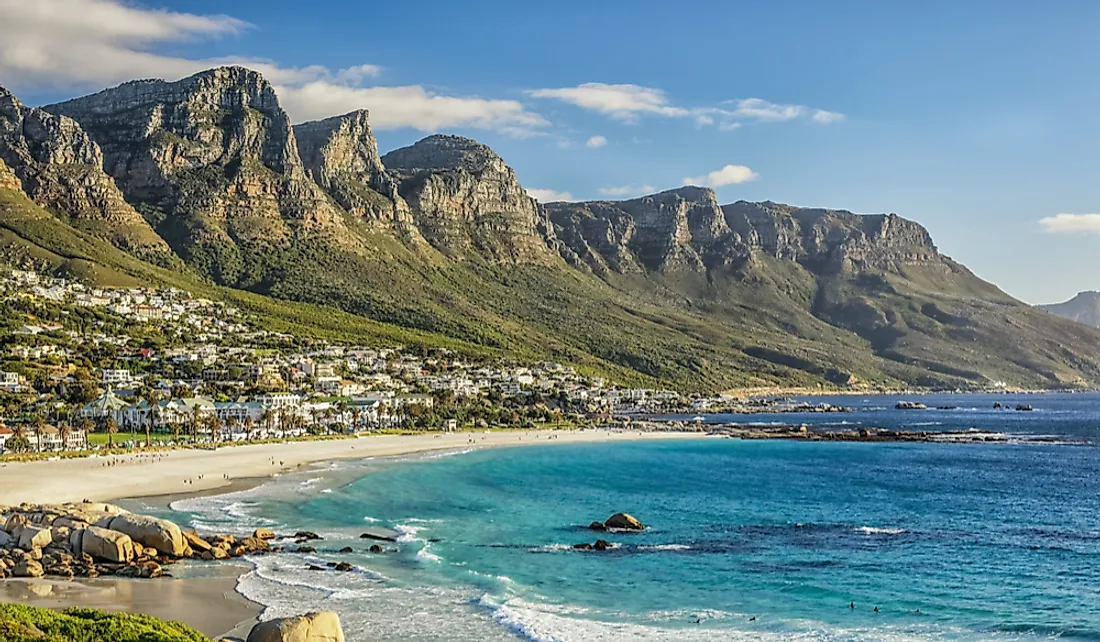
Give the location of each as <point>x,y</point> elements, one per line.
<point>111,426</point>
<point>17,444</point>
<point>39,428</point>
<point>66,432</point>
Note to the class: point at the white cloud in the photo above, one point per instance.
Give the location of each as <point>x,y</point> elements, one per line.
<point>760,110</point>
<point>411,106</point>
<point>1068,223</point>
<point>548,195</point>
<point>728,175</point>
<point>596,142</point>
<point>77,45</point>
<point>626,191</point>
<point>629,102</point>
<point>621,102</point>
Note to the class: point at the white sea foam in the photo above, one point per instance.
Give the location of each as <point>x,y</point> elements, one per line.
<point>551,548</point>
<point>873,530</point>
<point>664,547</point>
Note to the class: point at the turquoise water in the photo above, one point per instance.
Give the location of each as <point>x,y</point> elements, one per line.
<point>949,542</point>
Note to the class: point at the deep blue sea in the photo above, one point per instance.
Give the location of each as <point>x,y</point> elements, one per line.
<point>747,540</point>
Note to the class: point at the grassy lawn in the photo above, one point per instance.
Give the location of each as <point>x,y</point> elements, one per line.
<point>100,438</point>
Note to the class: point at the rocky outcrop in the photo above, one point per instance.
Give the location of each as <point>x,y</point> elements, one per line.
<point>685,230</point>
<point>323,626</point>
<point>466,201</point>
<point>89,540</point>
<point>341,155</point>
<point>60,167</point>
<point>214,157</point>
<point>160,534</point>
<point>103,544</point>
<point>623,521</point>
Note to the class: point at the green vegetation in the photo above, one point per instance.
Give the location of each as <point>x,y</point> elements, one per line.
<point>20,623</point>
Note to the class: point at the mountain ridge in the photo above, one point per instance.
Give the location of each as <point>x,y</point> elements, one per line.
<point>440,237</point>
<point>1084,308</point>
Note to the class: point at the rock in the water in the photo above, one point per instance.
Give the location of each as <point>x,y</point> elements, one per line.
<point>597,526</point>
<point>910,405</point>
<point>305,549</point>
<point>583,547</point>
<point>375,548</point>
<point>312,627</point>
<point>104,544</point>
<point>344,566</point>
<point>306,535</point>
<point>602,545</point>
<point>624,521</point>
<point>195,542</point>
<point>263,533</point>
<point>346,549</point>
<point>161,534</point>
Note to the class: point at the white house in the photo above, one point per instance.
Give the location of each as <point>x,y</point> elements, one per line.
<point>117,377</point>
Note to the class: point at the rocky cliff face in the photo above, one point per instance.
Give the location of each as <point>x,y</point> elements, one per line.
<point>213,155</point>
<point>686,230</point>
<point>465,200</point>
<point>341,155</point>
<point>59,167</point>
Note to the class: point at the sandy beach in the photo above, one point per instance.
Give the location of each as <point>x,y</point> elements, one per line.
<point>190,471</point>
<point>211,604</point>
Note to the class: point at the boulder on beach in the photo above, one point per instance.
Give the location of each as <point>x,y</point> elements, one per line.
<point>103,544</point>
<point>27,568</point>
<point>312,627</point>
<point>195,542</point>
<point>34,537</point>
<point>623,521</point>
<point>161,534</point>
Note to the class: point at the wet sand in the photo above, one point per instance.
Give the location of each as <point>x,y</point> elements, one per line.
<point>209,604</point>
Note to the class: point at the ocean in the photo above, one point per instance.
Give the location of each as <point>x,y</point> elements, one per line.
<point>746,540</point>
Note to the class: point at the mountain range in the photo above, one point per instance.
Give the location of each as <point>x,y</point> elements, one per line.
<point>205,183</point>
<point>1082,308</point>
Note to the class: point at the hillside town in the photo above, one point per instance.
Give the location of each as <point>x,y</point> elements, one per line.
<point>141,365</point>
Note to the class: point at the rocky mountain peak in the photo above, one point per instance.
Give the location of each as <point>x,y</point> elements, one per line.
<point>443,152</point>
<point>341,155</point>
<point>466,201</point>
<point>214,159</point>
<point>60,167</point>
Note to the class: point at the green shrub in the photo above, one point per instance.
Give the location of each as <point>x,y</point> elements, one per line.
<point>20,623</point>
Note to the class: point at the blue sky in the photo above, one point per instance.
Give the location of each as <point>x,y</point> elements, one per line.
<point>977,119</point>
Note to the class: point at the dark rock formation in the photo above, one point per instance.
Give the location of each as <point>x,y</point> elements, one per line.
<point>623,521</point>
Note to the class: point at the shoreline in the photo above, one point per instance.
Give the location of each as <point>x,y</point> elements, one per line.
<point>187,471</point>
<point>212,603</point>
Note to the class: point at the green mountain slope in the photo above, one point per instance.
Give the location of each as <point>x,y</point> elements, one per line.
<point>438,243</point>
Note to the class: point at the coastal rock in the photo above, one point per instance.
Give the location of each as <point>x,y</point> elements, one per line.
<point>344,566</point>
<point>27,568</point>
<point>601,545</point>
<point>34,537</point>
<point>583,546</point>
<point>623,521</point>
<point>161,534</point>
<point>597,526</point>
<point>346,549</point>
<point>910,405</point>
<point>321,626</point>
<point>307,535</point>
<point>195,542</point>
<point>263,533</point>
<point>104,544</point>
<point>375,548</point>
<point>6,540</point>
<point>15,522</point>
<point>305,549</point>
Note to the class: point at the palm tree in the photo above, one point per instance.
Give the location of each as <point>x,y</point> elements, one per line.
<point>111,426</point>
<point>249,425</point>
<point>267,418</point>
<point>39,428</point>
<point>355,414</point>
<point>66,432</point>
